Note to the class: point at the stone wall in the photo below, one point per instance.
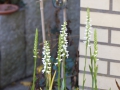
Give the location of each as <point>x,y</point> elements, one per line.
<point>105,15</point>
<point>17,37</point>
<point>12,47</point>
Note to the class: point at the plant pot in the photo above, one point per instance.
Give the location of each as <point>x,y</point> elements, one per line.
<point>8,9</point>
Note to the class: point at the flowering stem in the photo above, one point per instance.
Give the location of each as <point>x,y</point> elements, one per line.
<point>59,76</point>
<point>64,73</point>
<point>87,42</point>
<point>84,79</point>
<point>34,72</point>
<point>47,64</point>
<point>91,68</point>
<point>59,63</point>
<point>35,58</point>
<point>46,82</point>
<point>62,53</point>
<point>95,59</point>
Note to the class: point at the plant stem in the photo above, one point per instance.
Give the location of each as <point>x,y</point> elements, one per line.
<point>59,63</point>
<point>35,51</point>
<point>58,75</point>
<point>64,73</point>
<point>34,77</point>
<point>84,79</point>
<point>92,74</point>
<point>46,81</point>
<point>50,88</point>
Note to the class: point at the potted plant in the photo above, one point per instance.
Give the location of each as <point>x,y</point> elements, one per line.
<point>10,6</point>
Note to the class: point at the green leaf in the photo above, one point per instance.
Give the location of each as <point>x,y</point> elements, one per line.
<point>50,88</point>
<point>63,86</point>
<point>90,69</point>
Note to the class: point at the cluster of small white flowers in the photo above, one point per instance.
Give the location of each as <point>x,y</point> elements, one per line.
<point>95,54</point>
<point>63,44</point>
<point>46,58</point>
<point>64,41</point>
<point>87,31</point>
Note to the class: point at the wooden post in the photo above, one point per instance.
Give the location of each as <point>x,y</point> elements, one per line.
<point>64,12</point>
<point>42,20</point>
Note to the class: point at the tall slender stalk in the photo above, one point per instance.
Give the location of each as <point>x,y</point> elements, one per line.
<point>93,67</point>
<point>95,59</point>
<point>35,51</point>
<point>63,72</point>
<point>59,62</point>
<point>62,53</point>
<point>42,20</point>
<point>84,79</point>
<point>87,43</point>
<point>64,12</point>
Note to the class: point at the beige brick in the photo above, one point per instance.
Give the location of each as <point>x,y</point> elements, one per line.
<point>115,69</point>
<point>102,34</point>
<point>103,82</point>
<point>102,65</point>
<point>104,51</point>
<point>101,19</point>
<point>97,4</point>
<point>116,5</point>
<point>115,37</point>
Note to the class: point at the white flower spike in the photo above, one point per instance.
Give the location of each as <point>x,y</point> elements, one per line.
<point>46,58</point>
<point>87,30</point>
<point>63,43</point>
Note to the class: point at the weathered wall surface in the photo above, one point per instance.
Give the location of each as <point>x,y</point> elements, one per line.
<point>32,21</point>
<point>17,37</point>
<point>73,14</point>
<point>105,16</point>
<point>12,47</point>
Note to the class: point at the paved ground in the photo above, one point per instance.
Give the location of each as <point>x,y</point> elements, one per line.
<point>18,86</point>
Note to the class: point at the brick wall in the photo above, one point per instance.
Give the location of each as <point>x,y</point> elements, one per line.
<point>105,15</point>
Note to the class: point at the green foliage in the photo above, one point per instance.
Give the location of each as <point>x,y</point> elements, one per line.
<point>51,84</point>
